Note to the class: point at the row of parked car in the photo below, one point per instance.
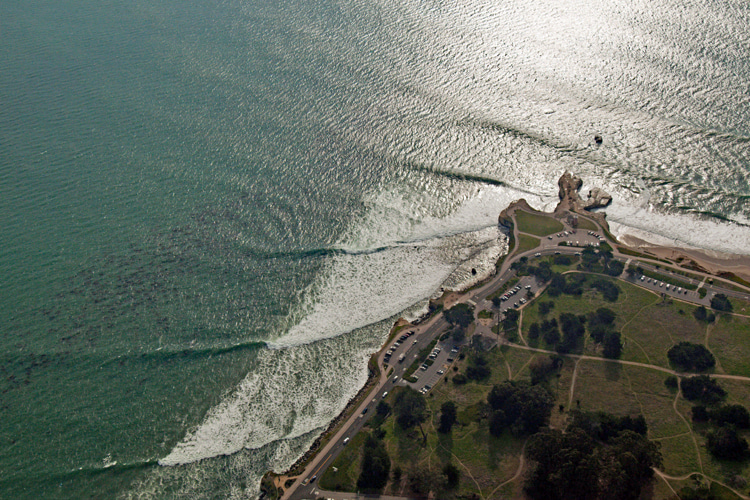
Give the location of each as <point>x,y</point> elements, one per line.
<point>674,288</point>
<point>396,345</point>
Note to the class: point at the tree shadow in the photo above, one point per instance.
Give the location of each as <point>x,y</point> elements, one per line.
<point>612,371</point>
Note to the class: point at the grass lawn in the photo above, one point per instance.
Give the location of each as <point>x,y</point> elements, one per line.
<point>586,224</point>
<point>526,243</point>
<point>347,465</point>
<point>485,314</point>
<point>729,341</point>
<point>540,225</point>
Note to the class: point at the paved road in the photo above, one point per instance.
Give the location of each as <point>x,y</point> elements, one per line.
<point>424,334</point>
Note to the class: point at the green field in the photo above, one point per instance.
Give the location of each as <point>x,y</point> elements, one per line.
<point>526,243</point>
<point>539,225</point>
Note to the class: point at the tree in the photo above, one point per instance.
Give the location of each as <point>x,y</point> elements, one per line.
<point>382,408</point>
<point>376,466</point>
<point>614,268</point>
<point>703,314</point>
<point>545,307</point>
<point>448,416</point>
<point>556,285</point>
<point>478,369</point>
<point>686,356</point>
<point>534,331</point>
<point>720,302</point>
<point>699,413</point>
<point>550,331</point>
<point>671,382</point>
<point>410,408</point>
<point>612,345</point>
<point>461,315</point>
<point>511,319</point>
<point>601,319</point>
<point>726,444</point>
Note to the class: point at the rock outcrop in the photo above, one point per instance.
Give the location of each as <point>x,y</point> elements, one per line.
<point>570,199</point>
<point>597,198</point>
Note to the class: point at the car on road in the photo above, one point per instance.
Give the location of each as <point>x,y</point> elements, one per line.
<point>440,372</point>
<point>364,411</point>
<point>395,379</point>
<point>385,394</point>
<point>346,440</point>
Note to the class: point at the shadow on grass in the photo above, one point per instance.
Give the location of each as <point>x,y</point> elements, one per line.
<point>612,371</point>
<point>445,448</point>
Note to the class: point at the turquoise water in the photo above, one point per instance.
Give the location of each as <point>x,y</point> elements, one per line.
<point>211,212</point>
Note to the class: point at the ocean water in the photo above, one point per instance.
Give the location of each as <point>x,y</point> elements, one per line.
<point>212,212</point>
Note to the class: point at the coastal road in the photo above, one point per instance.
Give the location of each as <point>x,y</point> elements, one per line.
<point>305,486</point>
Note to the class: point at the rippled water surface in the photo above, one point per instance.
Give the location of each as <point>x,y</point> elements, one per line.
<point>211,212</point>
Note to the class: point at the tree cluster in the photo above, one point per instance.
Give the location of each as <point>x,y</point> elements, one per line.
<point>589,258</point>
<point>519,406</point>
<point>602,331</point>
<point>376,466</point>
<point>604,426</point>
<point>614,267</point>
<point>478,368</point>
<point>702,388</point>
<point>573,331</point>
<point>727,444</point>
<point>576,465</point>
<point>609,290</point>
<point>725,415</point>
<point>690,357</point>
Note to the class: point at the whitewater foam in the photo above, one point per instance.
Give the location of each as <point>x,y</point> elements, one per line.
<point>675,229</point>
